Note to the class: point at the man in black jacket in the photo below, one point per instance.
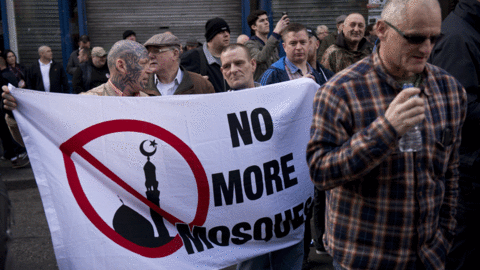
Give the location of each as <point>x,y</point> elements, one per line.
<point>92,73</point>
<point>46,74</point>
<point>206,60</point>
<point>458,52</point>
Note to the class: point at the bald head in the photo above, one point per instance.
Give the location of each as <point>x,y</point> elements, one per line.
<point>45,54</point>
<point>126,50</point>
<point>128,63</point>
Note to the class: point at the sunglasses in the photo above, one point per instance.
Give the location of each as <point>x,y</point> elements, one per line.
<point>416,39</point>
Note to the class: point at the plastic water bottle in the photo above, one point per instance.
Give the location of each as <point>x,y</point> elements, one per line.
<point>411,141</point>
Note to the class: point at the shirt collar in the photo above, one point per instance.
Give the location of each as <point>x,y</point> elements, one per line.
<point>177,80</point>
<point>294,69</point>
<point>118,92</point>
<point>209,56</point>
<point>383,73</point>
<point>42,64</point>
<point>258,39</point>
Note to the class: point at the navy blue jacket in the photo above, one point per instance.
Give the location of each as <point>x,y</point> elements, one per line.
<point>277,73</point>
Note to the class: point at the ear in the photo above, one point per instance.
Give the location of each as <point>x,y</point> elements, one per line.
<point>254,27</point>
<point>317,44</point>
<point>254,64</point>
<point>176,53</point>
<point>381,29</point>
<point>121,66</point>
<point>283,43</point>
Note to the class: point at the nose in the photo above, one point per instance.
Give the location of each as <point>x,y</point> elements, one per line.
<point>233,69</point>
<point>426,47</point>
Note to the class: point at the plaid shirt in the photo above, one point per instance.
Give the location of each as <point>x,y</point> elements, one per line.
<point>386,208</point>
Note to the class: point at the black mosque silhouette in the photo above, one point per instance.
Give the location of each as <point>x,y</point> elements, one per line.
<point>133,226</point>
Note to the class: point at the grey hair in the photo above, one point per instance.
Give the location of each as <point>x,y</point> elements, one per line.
<point>322,27</point>
<point>395,11</point>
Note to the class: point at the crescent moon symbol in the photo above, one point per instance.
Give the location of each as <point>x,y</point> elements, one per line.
<point>145,153</point>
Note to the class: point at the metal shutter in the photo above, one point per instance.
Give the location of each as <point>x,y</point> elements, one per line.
<point>37,24</point>
<point>316,12</point>
<point>107,20</point>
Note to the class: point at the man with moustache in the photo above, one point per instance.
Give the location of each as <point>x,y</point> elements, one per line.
<point>350,47</point>
<point>388,209</point>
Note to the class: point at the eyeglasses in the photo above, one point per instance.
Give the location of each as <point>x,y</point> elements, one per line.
<point>416,39</point>
<point>158,50</point>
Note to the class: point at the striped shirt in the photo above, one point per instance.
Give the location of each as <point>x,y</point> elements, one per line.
<point>386,209</point>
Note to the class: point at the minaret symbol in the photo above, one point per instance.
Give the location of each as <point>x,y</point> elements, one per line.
<point>133,226</point>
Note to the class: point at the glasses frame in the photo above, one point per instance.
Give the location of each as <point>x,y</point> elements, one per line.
<point>162,50</point>
<point>415,39</point>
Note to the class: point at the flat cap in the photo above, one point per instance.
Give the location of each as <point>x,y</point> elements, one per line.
<point>340,18</point>
<point>164,39</point>
<point>98,51</point>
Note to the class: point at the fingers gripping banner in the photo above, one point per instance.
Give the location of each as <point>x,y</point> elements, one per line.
<point>175,182</point>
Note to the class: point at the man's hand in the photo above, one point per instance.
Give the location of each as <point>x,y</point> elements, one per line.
<point>308,75</point>
<point>282,24</point>
<point>9,102</point>
<point>405,112</point>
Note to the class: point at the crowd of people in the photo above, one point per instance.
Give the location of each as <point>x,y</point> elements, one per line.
<point>376,207</point>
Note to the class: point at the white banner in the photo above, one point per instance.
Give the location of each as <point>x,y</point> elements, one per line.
<point>175,182</point>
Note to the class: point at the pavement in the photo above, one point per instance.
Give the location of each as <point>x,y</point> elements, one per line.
<point>31,246</point>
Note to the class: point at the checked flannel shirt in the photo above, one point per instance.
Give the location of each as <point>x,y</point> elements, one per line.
<point>386,209</point>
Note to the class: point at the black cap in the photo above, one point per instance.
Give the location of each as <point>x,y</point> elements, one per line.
<point>128,33</point>
<point>215,26</point>
<point>311,33</point>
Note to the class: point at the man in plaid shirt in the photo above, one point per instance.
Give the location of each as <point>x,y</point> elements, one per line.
<point>388,209</point>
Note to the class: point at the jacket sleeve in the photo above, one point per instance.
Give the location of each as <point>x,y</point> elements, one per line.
<point>64,78</point>
<point>262,55</point>
<point>71,64</point>
<point>453,54</point>
<point>329,59</point>
<point>14,130</point>
<point>29,78</point>
<point>191,60</point>
<point>77,81</point>
<point>268,77</point>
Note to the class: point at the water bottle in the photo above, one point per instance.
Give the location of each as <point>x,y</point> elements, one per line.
<point>411,141</point>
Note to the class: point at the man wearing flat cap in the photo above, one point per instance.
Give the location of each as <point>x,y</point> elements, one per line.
<point>91,73</point>
<point>332,38</point>
<point>205,60</point>
<point>168,77</point>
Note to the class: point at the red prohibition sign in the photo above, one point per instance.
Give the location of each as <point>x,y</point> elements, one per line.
<point>75,145</point>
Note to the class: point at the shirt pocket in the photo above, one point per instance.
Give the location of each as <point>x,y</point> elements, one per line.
<point>442,150</point>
